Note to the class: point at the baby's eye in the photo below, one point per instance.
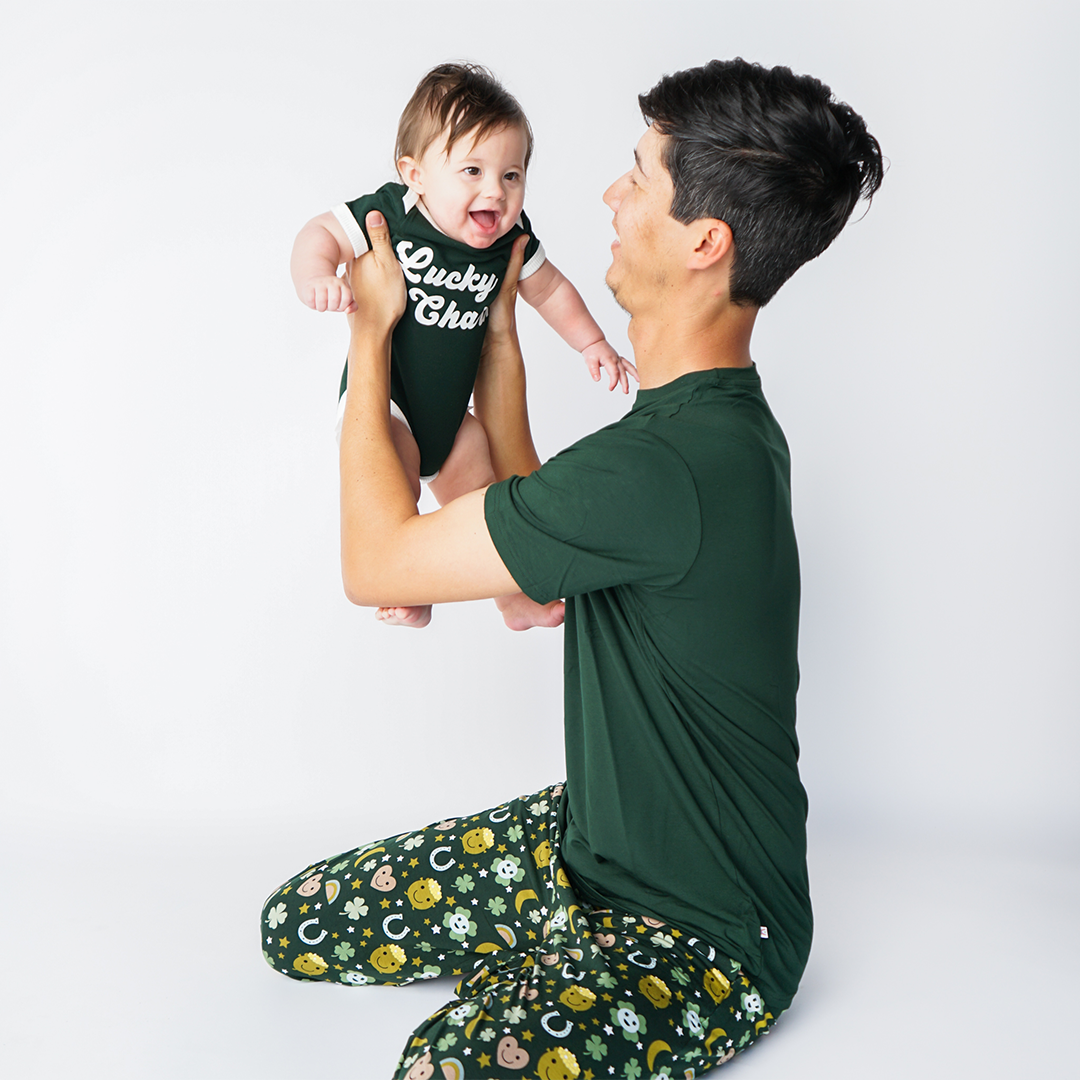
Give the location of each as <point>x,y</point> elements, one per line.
<point>513,177</point>
<point>471,170</point>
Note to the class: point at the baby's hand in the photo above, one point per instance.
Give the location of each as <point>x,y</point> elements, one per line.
<point>601,355</point>
<point>328,293</point>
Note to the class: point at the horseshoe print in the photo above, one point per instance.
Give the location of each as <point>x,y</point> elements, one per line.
<point>650,964</point>
<point>386,927</point>
<point>310,940</point>
<point>440,866</point>
<point>550,1030</point>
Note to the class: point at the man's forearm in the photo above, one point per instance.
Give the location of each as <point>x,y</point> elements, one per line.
<point>500,405</point>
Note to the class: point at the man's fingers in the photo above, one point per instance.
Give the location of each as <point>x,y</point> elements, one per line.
<point>517,259</point>
<point>377,230</point>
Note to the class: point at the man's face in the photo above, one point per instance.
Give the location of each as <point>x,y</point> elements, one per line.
<point>646,247</point>
<point>474,193</point>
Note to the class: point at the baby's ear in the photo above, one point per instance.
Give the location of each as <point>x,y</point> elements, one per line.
<point>411,175</point>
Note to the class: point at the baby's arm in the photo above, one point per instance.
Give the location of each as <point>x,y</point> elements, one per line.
<point>320,248</point>
<point>565,312</point>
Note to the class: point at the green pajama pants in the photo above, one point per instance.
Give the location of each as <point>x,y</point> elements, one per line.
<point>552,987</point>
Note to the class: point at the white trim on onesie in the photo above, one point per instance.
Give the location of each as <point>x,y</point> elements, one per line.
<point>410,199</point>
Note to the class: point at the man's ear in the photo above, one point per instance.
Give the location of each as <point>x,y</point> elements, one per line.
<point>714,242</point>
<point>411,176</point>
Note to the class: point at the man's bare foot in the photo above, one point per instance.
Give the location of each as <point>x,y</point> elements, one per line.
<point>521,613</point>
<point>416,617</point>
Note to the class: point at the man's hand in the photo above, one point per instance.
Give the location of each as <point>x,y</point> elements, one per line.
<point>378,287</point>
<point>502,318</point>
<point>327,293</point>
<point>601,355</point>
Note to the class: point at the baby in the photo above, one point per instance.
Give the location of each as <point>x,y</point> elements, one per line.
<point>463,146</point>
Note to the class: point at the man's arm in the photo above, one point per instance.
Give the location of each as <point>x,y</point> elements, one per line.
<point>499,393</point>
<point>390,554</point>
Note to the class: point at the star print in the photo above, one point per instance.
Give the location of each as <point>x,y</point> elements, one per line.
<point>436,929</point>
<point>527,1036</point>
<point>467,1050</point>
<point>269,941</point>
<point>609,1030</point>
<point>318,906</point>
<point>738,1015</point>
<point>386,858</point>
<point>639,1046</point>
<point>730,1042</point>
<point>414,862</point>
<point>474,901</point>
<point>288,888</point>
<point>334,934</point>
<point>384,903</point>
<point>303,909</point>
<point>284,943</point>
<point>439,838</point>
<point>532,936</point>
<point>357,883</point>
<point>483,873</point>
<point>484,1061</point>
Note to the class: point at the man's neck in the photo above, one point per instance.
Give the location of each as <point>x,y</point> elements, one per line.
<point>670,344</point>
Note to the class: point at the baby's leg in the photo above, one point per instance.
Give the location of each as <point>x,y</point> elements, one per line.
<point>467,468</point>
<point>409,454</point>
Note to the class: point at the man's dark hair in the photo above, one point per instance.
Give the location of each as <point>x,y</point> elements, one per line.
<point>460,100</point>
<point>770,153</point>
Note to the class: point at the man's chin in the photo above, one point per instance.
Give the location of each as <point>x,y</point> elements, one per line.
<point>614,290</point>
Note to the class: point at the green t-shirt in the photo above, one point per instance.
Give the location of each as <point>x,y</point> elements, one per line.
<point>435,350</point>
<point>669,534</point>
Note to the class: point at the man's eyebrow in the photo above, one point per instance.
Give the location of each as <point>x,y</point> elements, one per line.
<point>637,162</point>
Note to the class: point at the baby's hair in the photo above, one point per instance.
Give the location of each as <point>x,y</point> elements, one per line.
<point>461,99</point>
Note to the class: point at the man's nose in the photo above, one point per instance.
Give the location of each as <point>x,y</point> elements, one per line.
<point>613,195</point>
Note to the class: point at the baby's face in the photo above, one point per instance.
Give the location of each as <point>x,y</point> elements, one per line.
<point>474,193</point>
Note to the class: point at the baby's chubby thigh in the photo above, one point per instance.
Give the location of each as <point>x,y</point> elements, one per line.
<point>468,465</point>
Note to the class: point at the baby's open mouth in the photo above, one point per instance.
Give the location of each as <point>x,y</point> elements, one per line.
<point>486,219</point>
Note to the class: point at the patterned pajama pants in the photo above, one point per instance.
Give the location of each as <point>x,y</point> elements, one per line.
<point>552,987</point>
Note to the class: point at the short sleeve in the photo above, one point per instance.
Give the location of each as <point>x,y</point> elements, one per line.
<point>617,508</point>
<point>351,215</point>
<point>535,256</point>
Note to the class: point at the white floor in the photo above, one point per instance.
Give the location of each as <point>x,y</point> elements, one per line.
<point>138,956</point>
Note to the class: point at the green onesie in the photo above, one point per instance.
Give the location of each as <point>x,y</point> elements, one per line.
<point>436,345</point>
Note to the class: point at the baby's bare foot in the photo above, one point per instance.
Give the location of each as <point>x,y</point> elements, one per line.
<point>521,613</point>
<point>416,617</point>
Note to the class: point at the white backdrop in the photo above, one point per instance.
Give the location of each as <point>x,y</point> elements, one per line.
<point>176,654</point>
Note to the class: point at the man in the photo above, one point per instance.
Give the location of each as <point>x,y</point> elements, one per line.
<point>655,913</point>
